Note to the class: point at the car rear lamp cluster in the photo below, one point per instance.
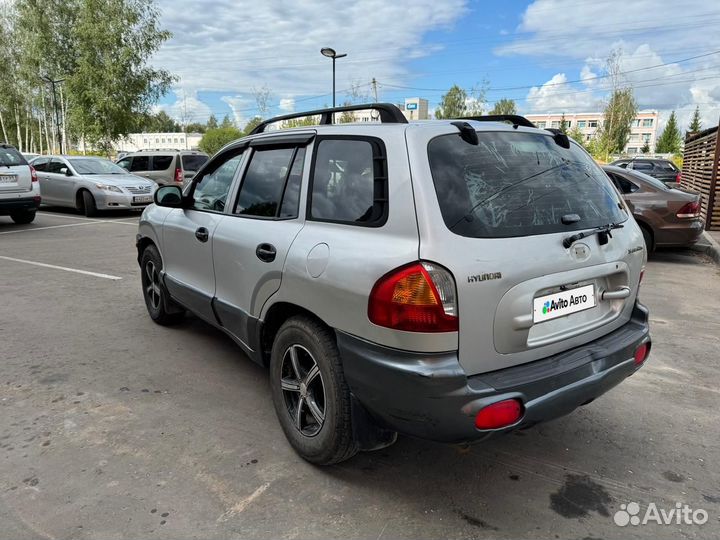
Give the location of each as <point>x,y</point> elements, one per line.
<point>500,414</point>
<point>690,210</point>
<point>678,177</point>
<point>642,353</point>
<point>33,174</point>
<point>178,175</point>
<point>419,297</point>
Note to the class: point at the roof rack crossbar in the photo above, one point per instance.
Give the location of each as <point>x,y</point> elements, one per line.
<point>389,114</point>
<point>515,119</point>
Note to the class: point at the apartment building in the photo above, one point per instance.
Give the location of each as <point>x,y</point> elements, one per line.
<point>643,129</point>
<point>145,141</point>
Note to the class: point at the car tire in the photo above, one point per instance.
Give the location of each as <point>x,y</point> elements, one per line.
<point>160,307</point>
<point>648,238</point>
<point>89,206</point>
<point>306,377</point>
<point>21,218</point>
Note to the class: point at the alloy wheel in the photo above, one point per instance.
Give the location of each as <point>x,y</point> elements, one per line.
<point>152,284</point>
<point>303,390</point>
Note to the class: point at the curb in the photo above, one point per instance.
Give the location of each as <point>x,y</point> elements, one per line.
<point>709,246</point>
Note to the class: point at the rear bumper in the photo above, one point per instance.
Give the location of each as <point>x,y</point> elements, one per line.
<point>683,233</point>
<point>429,396</point>
<point>19,204</point>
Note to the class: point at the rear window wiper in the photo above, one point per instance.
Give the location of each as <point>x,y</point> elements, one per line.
<point>604,232</point>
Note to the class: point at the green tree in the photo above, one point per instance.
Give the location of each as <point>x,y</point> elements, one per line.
<point>161,122</point>
<point>212,122</point>
<point>504,106</point>
<point>215,138</point>
<point>577,135</point>
<point>196,127</point>
<point>695,123</point>
<point>302,122</point>
<point>617,121</point>
<point>112,83</point>
<point>670,140</point>
<point>252,124</point>
<point>453,104</point>
<point>645,148</point>
<point>563,124</point>
<point>227,123</point>
<point>345,117</point>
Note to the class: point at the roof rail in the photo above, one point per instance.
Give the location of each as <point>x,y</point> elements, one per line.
<point>389,114</point>
<point>515,119</point>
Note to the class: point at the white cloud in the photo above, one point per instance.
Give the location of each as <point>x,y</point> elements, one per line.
<point>186,108</point>
<point>556,96</point>
<point>229,46</point>
<point>287,105</point>
<point>240,107</point>
<point>588,32</point>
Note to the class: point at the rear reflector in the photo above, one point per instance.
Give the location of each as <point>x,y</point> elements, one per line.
<point>500,414</point>
<point>33,174</point>
<point>641,353</point>
<point>690,210</point>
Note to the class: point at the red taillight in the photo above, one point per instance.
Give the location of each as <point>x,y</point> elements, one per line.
<point>419,297</point>
<point>500,414</point>
<point>33,174</point>
<point>641,353</point>
<point>678,177</point>
<point>690,210</point>
<point>178,175</point>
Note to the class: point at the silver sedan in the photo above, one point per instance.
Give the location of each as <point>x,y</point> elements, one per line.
<point>90,184</point>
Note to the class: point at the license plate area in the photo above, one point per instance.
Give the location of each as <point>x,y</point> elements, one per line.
<point>8,178</point>
<point>561,303</point>
<point>139,199</point>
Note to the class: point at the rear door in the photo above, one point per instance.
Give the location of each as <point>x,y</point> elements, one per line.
<point>15,175</point>
<point>496,216</point>
<point>140,165</point>
<point>61,186</point>
<point>162,168</point>
<point>250,245</point>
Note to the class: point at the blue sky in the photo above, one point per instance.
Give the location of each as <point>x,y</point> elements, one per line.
<point>530,51</point>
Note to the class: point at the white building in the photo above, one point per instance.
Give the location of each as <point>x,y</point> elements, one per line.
<point>147,141</point>
<point>643,129</point>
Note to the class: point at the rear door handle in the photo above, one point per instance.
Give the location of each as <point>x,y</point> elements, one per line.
<point>202,234</point>
<point>617,294</point>
<point>266,252</point>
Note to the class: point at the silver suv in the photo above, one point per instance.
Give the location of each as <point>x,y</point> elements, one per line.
<point>450,280</point>
<point>19,189</point>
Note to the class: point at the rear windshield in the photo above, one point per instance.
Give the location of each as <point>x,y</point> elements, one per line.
<point>193,162</point>
<point>9,157</point>
<point>519,184</point>
<point>654,182</point>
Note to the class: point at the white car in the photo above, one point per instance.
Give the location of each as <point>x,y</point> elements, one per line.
<point>91,184</point>
<point>19,190</point>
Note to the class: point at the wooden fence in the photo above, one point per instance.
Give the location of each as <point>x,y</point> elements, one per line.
<point>700,173</point>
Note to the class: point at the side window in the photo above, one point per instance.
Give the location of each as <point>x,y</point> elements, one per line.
<point>161,163</point>
<point>623,184</point>
<point>211,191</point>
<point>642,166</point>
<point>349,182</point>
<point>55,165</point>
<point>125,163</point>
<point>140,163</point>
<point>41,164</point>
<point>262,187</point>
<point>291,197</point>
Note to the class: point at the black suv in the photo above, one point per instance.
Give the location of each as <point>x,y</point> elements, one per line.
<point>662,169</point>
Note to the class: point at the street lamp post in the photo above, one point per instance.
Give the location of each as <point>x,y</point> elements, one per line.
<point>330,53</point>
<point>53,83</point>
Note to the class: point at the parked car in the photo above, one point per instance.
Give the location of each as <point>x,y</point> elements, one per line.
<point>91,184</point>
<point>29,156</point>
<point>449,280</point>
<point>19,190</point>
<point>164,166</point>
<point>662,169</point>
<point>668,217</point>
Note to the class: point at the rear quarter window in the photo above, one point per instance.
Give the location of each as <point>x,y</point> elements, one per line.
<point>518,184</point>
<point>11,158</point>
<point>193,162</point>
<point>161,163</point>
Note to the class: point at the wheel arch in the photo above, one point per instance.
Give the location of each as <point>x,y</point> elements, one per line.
<point>275,316</point>
<point>646,227</point>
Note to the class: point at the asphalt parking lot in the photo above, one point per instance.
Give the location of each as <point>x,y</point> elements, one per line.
<point>112,427</point>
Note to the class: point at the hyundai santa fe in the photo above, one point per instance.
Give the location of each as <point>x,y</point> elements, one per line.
<point>449,280</point>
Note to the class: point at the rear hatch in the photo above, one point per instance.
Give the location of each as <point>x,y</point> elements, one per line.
<point>15,175</point>
<point>506,206</point>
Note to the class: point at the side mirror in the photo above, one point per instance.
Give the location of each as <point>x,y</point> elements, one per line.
<point>65,171</point>
<point>169,196</point>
